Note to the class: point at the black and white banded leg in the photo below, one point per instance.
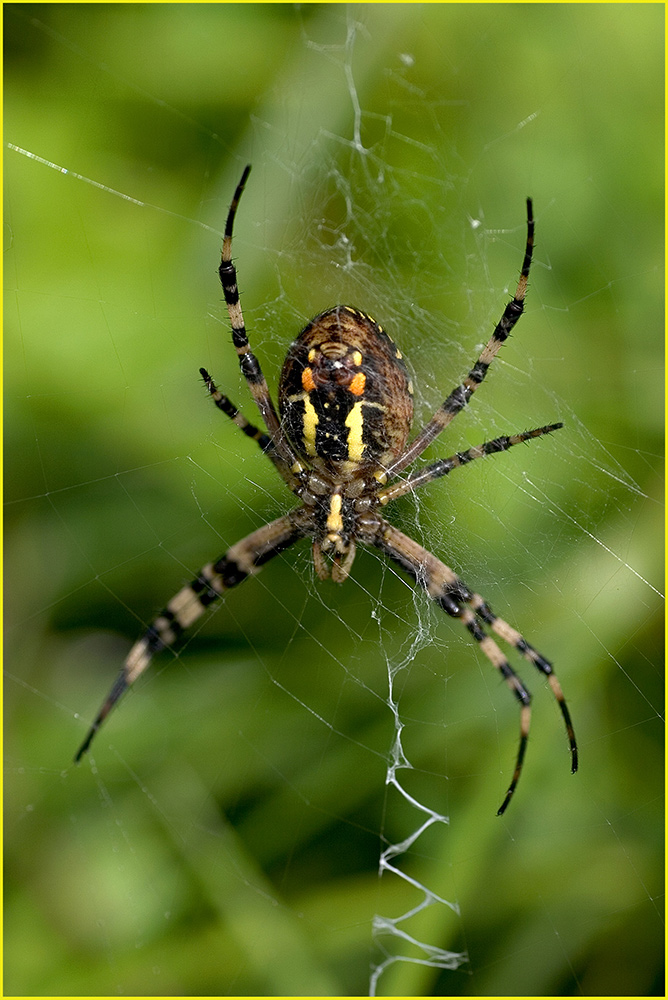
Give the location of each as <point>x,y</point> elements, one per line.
<point>461,394</point>
<point>452,595</point>
<point>212,581</point>
<point>249,364</point>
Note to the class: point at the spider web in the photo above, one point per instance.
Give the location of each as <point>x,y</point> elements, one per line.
<point>302,800</point>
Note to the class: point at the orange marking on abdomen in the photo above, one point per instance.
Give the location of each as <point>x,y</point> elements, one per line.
<point>357,384</point>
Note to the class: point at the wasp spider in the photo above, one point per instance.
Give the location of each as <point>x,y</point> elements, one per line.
<point>340,442</point>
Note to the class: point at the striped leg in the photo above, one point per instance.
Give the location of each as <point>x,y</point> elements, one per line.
<point>454,597</point>
<point>250,430</point>
<point>239,562</point>
<point>460,396</point>
<point>513,638</point>
<point>443,466</point>
<point>250,366</point>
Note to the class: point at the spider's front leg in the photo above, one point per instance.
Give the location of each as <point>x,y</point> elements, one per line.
<point>451,594</point>
<point>213,580</point>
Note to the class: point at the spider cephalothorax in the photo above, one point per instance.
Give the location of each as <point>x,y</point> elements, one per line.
<point>341,444</point>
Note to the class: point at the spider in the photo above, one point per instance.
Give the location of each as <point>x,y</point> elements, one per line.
<point>340,443</point>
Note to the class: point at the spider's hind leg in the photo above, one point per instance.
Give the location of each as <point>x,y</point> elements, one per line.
<point>249,364</point>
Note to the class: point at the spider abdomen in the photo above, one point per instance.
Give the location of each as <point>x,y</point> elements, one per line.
<point>345,395</point>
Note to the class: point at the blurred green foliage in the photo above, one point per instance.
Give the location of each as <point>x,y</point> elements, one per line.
<point>225,836</point>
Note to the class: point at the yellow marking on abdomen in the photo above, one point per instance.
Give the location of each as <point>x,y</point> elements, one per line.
<point>355,423</point>
<point>309,426</point>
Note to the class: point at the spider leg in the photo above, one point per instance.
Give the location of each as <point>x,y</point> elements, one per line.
<point>443,466</point>
<point>250,366</point>
<point>229,409</point>
<point>213,580</point>
<point>451,594</point>
<point>250,430</point>
<point>461,394</point>
<point>514,638</point>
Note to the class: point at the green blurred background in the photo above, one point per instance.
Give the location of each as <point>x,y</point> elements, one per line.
<point>224,837</point>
